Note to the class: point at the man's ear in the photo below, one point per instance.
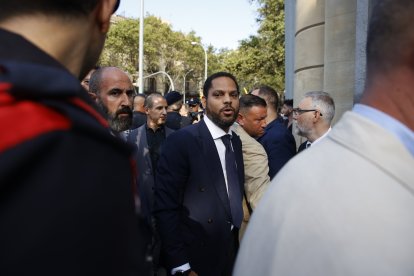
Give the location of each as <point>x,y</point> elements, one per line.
<point>204,101</point>
<point>104,11</point>
<point>239,119</point>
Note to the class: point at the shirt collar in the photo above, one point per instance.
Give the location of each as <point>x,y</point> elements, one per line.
<point>323,136</point>
<point>398,129</point>
<point>216,132</point>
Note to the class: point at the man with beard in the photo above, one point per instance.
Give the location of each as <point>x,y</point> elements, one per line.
<point>67,205</point>
<point>313,117</point>
<point>113,92</point>
<point>199,187</point>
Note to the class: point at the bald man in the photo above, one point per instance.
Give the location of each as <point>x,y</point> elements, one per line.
<point>113,92</point>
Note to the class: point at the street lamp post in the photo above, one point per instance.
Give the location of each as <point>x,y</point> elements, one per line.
<point>185,75</point>
<point>205,58</point>
<point>164,73</point>
<point>141,50</point>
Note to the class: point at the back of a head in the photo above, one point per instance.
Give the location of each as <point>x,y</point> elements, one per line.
<point>139,100</point>
<point>209,81</point>
<point>324,102</point>
<point>390,36</point>
<point>66,8</point>
<point>288,102</point>
<point>248,101</point>
<point>271,96</point>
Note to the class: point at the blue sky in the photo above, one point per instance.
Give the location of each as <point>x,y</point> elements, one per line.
<point>221,23</point>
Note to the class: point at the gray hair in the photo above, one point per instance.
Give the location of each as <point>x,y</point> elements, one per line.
<point>149,100</point>
<point>324,102</point>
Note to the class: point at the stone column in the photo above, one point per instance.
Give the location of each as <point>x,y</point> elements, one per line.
<point>309,49</point>
<point>339,73</point>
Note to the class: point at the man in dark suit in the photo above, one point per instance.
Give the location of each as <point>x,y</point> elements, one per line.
<point>147,140</point>
<point>277,141</point>
<point>198,188</point>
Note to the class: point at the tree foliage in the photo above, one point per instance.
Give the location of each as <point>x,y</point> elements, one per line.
<point>259,59</point>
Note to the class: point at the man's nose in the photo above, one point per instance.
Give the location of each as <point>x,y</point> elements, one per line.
<point>126,100</point>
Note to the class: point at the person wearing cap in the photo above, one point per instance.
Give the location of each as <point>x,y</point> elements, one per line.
<point>174,119</point>
<point>193,113</point>
<point>67,200</point>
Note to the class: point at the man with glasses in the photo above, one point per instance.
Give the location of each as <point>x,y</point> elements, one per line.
<point>313,117</point>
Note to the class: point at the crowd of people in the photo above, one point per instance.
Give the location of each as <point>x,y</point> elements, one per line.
<point>98,180</point>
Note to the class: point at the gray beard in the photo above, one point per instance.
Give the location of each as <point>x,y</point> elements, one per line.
<point>115,123</point>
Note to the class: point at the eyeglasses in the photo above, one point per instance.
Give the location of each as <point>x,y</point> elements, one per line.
<point>298,111</point>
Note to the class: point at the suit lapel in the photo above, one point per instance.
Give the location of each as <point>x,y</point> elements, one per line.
<point>237,146</point>
<point>213,164</point>
<point>143,146</point>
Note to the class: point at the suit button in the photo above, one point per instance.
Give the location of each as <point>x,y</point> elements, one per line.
<point>202,189</point>
<point>210,220</point>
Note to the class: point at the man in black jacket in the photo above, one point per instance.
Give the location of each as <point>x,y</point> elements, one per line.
<point>67,200</point>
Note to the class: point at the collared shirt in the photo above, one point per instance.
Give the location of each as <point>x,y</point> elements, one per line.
<point>398,129</point>
<point>320,138</point>
<point>217,133</point>
<point>155,139</point>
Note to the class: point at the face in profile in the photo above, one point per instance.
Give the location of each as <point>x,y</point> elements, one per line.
<point>115,98</point>
<point>304,121</point>
<point>222,103</point>
<point>253,120</point>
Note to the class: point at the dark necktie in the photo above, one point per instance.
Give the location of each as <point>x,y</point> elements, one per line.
<point>233,183</point>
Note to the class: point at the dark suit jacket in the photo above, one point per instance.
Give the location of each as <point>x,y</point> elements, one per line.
<point>176,121</point>
<point>145,179</point>
<point>191,202</point>
<point>279,145</point>
<point>138,119</point>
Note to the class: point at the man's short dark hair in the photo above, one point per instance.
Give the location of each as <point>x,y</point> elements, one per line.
<point>249,100</point>
<point>288,102</point>
<point>209,80</point>
<point>95,80</point>
<point>390,35</point>
<point>12,8</point>
<point>270,94</point>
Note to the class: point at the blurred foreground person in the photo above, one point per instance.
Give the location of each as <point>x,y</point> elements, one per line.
<point>67,205</point>
<point>346,205</point>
